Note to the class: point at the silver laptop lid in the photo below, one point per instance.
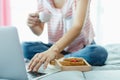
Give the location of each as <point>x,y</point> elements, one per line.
<point>12,64</point>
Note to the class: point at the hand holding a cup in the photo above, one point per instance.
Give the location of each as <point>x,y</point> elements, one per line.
<point>33,20</point>
<point>44,16</point>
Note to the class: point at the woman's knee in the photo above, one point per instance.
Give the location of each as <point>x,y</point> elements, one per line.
<point>31,48</point>
<point>26,49</point>
<point>98,55</point>
<point>100,51</point>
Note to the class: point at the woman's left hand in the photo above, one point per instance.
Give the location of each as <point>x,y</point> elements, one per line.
<point>41,58</point>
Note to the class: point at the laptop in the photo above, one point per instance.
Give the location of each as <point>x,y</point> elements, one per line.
<point>12,64</point>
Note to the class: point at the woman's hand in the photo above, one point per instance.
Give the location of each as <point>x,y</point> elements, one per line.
<point>33,20</point>
<point>41,58</point>
<point>35,24</point>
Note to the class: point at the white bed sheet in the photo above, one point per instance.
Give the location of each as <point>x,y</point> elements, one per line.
<point>113,60</point>
<point>112,64</point>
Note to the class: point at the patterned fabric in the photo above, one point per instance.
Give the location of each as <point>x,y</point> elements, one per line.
<point>61,22</point>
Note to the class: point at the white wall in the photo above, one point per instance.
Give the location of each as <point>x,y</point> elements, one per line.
<point>20,11</point>
<point>111,21</point>
<point>105,15</point>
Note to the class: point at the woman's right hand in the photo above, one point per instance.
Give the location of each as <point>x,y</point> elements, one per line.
<point>33,20</point>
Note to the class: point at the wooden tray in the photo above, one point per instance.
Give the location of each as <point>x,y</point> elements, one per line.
<point>86,67</point>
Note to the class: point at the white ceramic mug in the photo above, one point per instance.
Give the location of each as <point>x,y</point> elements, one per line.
<point>44,16</point>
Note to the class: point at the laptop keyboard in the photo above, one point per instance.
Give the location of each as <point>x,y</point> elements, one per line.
<point>41,72</point>
<point>32,75</point>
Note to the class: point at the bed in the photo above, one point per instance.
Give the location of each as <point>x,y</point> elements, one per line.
<point>113,60</point>
<point>110,71</point>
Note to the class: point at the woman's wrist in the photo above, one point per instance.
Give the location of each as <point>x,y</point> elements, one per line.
<point>55,50</point>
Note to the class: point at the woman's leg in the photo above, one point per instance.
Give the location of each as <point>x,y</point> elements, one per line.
<point>93,54</point>
<point>31,48</point>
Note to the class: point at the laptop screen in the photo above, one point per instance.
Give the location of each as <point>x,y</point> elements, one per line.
<point>12,63</point>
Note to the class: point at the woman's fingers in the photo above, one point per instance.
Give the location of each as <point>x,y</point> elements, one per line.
<point>33,19</point>
<point>39,59</point>
<point>30,66</point>
<point>46,63</point>
<point>34,14</point>
<point>37,66</point>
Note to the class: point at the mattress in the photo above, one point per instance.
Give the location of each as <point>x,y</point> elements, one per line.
<point>112,66</point>
<point>113,60</point>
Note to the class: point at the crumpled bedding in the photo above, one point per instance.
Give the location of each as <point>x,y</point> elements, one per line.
<point>112,66</point>
<point>113,60</point>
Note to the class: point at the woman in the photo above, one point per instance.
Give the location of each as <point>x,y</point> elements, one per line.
<point>70,33</point>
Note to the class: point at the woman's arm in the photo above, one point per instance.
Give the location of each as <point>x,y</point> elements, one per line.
<point>35,24</point>
<point>46,56</point>
<point>78,22</point>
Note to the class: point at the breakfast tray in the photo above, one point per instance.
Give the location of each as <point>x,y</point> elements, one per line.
<point>85,67</point>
